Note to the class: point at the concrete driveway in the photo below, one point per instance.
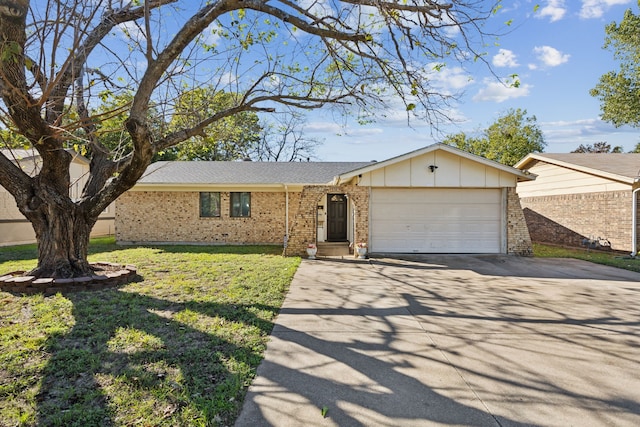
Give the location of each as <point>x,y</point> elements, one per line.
<point>452,340</point>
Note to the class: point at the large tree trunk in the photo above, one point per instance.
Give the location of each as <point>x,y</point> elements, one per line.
<point>63,243</point>
<point>62,226</point>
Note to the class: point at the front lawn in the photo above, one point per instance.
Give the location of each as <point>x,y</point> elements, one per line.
<point>598,257</point>
<point>175,349</point>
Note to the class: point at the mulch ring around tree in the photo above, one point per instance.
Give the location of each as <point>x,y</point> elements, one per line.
<point>106,275</point>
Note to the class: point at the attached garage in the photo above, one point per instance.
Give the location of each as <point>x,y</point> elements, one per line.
<point>442,200</point>
<point>431,220</point>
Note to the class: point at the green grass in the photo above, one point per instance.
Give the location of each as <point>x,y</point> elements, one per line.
<point>599,257</point>
<point>177,348</point>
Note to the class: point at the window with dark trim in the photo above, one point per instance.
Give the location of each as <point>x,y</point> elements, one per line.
<point>240,204</point>
<point>209,204</point>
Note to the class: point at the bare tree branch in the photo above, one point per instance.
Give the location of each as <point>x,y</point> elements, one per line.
<point>361,56</point>
<point>93,38</point>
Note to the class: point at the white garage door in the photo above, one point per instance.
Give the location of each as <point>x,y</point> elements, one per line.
<point>436,220</point>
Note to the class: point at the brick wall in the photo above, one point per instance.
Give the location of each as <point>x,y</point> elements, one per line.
<point>570,218</point>
<point>158,216</point>
<point>518,238</point>
<point>175,217</point>
<point>303,228</point>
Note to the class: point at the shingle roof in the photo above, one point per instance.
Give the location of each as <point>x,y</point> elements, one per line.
<point>203,172</point>
<point>622,164</point>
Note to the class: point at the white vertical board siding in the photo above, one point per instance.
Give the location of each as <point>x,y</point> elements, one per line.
<point>450,170</point>
<point>412,220</point>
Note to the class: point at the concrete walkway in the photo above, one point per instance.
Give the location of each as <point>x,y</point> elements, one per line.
<point>452,340</point>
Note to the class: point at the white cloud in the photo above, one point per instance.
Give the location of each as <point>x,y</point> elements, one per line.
<point>499,92</point>
<point>273,82</point>
<point>555,10</point>
<point>505,58</point>
<point>363,131</point>
<point>450,30</point>
<point>318,8</point>
<point>550,56</point>
<point>361,16</point>
<point>333,128</point>
<point>572,128</point>
<point>227,79</point>
<point>585,127</point>
<point>596,8</point>
<point>447,79</point>
<point>396,116</point>
<point>567,135</point>
<point>132,31</point>
<point>212,34</point>
<point>576,131</point>
<point>323,127</point>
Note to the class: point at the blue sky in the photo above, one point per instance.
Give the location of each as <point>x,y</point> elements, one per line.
<point>557,53</point>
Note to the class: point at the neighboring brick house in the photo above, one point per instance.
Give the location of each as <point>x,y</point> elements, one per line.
<point>15,229</point>
<point>582,199</point>
<point>434,200</point>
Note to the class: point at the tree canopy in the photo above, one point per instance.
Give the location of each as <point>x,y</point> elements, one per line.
<point>60,60</point>
<point>511,137</point>
<point>598,147</point>
<point>230,138</point>
<point>618,91</point>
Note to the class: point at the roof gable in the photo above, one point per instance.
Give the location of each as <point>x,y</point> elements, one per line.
<point>623,167</point>
<point>435,147</point>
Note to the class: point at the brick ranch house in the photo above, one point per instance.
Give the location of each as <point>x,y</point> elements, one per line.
<point>437,199</point>
<point>582,199</point>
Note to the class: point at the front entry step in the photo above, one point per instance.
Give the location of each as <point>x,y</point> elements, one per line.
<point>333,249</point>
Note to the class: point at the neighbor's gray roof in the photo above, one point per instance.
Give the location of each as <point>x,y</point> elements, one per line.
<point>625,165</point>
<point>19,154</point>
<point>202,172</point>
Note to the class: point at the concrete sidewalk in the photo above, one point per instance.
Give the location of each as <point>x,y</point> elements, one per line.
<point>453,340</point>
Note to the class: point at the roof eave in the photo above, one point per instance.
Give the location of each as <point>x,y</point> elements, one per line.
<point>142,186</point>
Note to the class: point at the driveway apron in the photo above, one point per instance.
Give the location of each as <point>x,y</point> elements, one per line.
<point>452,340</point>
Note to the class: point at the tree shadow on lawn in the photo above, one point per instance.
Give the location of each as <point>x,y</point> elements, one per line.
<point>133,358</point>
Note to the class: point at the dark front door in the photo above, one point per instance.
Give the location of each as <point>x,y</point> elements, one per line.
<point>337,217</point>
